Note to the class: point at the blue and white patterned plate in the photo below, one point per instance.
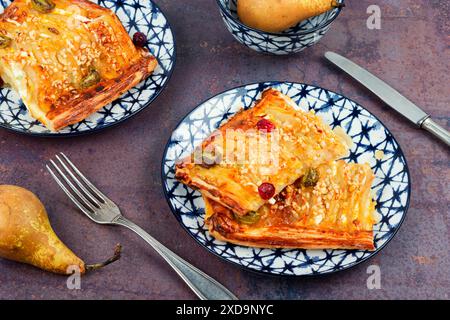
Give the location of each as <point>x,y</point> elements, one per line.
<point>391,186</point>
<point>136,15</point>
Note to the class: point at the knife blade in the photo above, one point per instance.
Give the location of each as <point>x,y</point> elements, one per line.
<point>390,96</point>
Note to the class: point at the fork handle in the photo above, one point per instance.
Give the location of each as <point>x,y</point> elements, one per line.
<point>205,287</point>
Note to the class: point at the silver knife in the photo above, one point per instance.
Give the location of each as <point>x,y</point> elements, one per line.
<point>389,95</point>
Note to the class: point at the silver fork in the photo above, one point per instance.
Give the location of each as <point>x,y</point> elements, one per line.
<point>101,209</point>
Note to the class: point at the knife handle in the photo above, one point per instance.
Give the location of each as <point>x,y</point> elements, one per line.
<point>436,130</point>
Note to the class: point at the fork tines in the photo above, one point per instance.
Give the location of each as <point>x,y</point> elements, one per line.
<point>77,187</point>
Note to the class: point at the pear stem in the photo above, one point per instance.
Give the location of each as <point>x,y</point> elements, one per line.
<point>337,4</point>
<point>115,257</point>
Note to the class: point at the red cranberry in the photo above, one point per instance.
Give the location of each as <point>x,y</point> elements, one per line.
<point>266,190</point>
<point>265,124</point>
<point>139,39</point>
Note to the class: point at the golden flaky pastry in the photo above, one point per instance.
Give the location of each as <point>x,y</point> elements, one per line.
<point>337,213</point>
<point>68,58</point>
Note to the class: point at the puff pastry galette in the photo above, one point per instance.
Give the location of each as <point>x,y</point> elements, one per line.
<point>298,195</point>
<point>259,152</point>
<point>336,213</point>
<point>68,58</point>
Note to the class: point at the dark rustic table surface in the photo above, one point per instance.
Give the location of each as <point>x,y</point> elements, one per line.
<point>411,52</point>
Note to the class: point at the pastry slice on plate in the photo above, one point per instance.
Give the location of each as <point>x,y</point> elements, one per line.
<point>330,207</point>
<point>259,152</point>
<point>68,58</point>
